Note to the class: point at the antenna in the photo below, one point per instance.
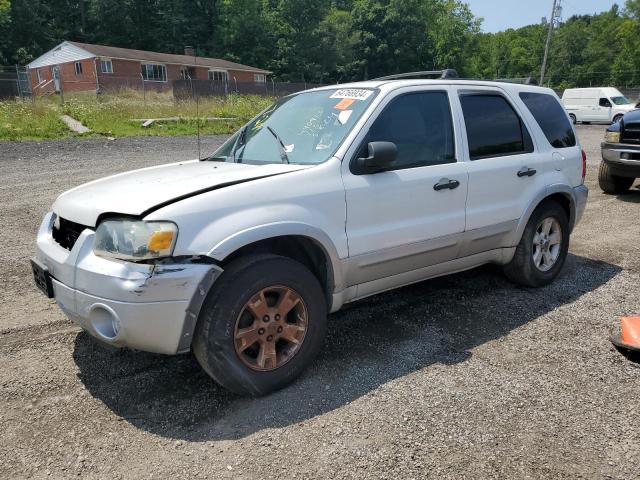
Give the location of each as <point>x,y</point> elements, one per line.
<point>194,93</point>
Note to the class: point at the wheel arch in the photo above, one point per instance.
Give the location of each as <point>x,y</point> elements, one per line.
<point>301,242</point>
<point>561,194</point>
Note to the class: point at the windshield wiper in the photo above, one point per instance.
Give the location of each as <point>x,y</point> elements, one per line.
<point>239,142</point>
<point>283,149</point>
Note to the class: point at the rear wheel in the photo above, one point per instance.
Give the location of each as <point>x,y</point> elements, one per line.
<point>261,325</point>
<point>612,184</point>
<point>543,247</point>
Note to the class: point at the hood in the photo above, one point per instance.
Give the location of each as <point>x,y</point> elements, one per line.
<point>136,192</point>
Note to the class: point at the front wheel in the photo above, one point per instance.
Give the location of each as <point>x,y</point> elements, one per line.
<point>612,184</point>
<point>543,247</point>
<point>261,325</point>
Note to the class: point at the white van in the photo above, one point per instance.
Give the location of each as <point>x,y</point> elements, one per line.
<point>604,104</point>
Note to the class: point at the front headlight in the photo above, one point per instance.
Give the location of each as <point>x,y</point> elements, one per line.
<point>134,240</point>
<point>612,137</point>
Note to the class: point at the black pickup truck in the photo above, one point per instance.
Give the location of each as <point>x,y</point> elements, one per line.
<point>621,154</point>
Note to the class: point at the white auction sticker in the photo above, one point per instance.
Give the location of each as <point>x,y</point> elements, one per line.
<point>352,93</point>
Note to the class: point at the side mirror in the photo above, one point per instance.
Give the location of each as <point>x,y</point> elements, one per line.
<point>381,156</point>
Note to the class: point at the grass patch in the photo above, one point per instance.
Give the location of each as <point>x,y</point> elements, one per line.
<point>111,115</point>
<point>39,120</point>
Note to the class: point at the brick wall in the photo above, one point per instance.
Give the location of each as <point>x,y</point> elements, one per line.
<point>44,87</point>
<point>73,82</point>
<point>241,76</point>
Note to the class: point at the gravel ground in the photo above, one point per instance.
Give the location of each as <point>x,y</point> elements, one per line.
<point>465,376</point>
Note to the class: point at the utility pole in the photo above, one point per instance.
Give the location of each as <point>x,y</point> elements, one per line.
<point>556,14</point>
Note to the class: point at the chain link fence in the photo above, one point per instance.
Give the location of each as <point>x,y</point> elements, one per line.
<point>189,88</point>
<point>14,82</point>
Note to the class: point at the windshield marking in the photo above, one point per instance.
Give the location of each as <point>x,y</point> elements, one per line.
<point>352,93</point>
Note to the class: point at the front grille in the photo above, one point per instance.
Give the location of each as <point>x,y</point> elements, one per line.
<point>631,133</point>
<point>66,233</point>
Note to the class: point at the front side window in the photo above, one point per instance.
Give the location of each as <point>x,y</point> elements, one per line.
<point>604,102</point>
<point>551,117</point>
<point>306,128</point>
<point>78,68</point>
<point>420,126</point>
<point>106,66</point>
<point>154,72</point>
<point>494,129</point>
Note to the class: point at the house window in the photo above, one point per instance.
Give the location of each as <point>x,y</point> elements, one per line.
<point>78,68</point>
<point>218,76</point>
<point>259,77</point>
<point>106,66</point>
<point>39,74</point>
<point>153,72</point>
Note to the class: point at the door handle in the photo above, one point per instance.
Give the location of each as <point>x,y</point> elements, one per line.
<point>526,172</point>
<point>445,183</point>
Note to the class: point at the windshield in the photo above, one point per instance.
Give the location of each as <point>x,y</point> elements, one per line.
<point>305,128</point>
<point>620,100</point>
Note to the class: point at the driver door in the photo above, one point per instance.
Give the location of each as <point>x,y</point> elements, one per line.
<point>603,112</point>
<point>412,215</point>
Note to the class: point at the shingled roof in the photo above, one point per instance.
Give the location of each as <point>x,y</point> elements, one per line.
<point>146,56</point>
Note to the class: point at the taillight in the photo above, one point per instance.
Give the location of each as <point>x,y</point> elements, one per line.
<point>584,165</point>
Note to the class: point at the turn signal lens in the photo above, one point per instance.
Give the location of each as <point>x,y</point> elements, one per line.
<point>612,137</point>
<point>584,165</point>
<point>160,240</point>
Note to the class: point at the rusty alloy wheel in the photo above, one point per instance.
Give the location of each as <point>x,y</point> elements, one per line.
<point>270,328</point>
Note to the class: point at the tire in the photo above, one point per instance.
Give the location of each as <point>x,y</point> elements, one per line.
<point>573,118</point>
<point>612,184</point>
<point>522,269</point>
<point>215,341</point>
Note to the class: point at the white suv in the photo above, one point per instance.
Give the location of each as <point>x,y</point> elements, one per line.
<point>326,197</point>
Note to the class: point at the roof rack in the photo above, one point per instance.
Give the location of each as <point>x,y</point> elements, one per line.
<point>441,74</point>
<point>524,81</point>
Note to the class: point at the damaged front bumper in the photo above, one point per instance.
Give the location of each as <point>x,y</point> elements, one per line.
<point>147,307</point>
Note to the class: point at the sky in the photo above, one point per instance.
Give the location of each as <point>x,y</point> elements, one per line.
<point>502,14</point>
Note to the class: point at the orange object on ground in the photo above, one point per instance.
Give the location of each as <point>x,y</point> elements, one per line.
<point>630,330</point>
<point>629,336</point>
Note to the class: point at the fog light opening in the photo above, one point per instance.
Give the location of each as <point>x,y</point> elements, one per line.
<point>104,321</point>
<point>115,324</point>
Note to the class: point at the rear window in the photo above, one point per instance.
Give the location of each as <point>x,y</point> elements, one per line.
<point>494,129</point>
<point>551,117</point>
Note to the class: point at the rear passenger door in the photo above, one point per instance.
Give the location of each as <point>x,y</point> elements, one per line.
<point>498,149</point>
